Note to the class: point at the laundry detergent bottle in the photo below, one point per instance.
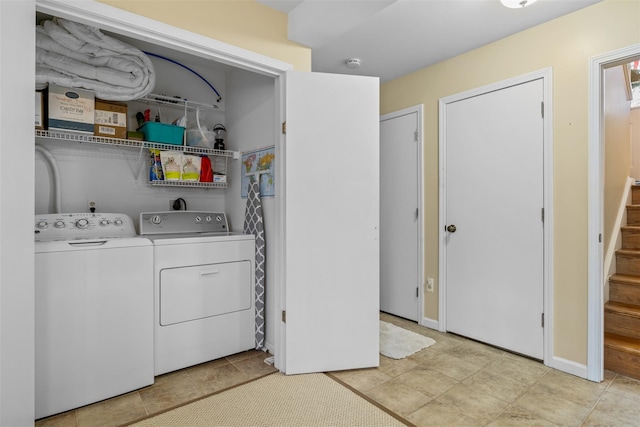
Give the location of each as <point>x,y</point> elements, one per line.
<point>155,167</point>
<point>206,173</point>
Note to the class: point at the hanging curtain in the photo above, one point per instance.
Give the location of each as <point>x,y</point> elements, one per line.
<point>253,224</point>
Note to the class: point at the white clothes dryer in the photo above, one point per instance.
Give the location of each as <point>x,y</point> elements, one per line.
<point>203,285</point>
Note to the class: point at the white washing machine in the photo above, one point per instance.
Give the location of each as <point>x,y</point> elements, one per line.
<point>203,285</point>
<point>93,310</point>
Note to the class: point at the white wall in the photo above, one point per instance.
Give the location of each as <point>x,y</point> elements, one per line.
<point>635,143</point>
<point>250,117</point>
<point>17,66</point>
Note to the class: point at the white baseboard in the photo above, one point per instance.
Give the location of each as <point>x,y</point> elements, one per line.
<point>430,323</point>
<point>557,363</point>
<point>269,347</point>
<point>564,365</point>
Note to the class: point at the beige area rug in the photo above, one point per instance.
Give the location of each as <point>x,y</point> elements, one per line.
<point>279,400</point>
<point>398,343</point>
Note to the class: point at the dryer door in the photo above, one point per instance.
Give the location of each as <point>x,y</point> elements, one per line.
<point>197,292</point>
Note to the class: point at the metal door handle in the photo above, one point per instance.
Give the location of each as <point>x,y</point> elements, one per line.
<point>451,228</point>
<point>208,273</point>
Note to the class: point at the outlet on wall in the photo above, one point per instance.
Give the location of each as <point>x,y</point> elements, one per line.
<point>92,204</point>
<point>430,284</point>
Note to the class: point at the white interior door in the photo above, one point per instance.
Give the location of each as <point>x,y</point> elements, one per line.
<point>331,182</point>
<point>399,215</point>
<point>494,199</point>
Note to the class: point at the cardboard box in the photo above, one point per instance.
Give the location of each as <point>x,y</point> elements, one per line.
<point>219,178</point>
<point>71,109</point>
<point>110,119</point>
<point>41,112</point>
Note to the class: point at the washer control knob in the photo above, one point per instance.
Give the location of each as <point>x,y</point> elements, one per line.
<point>58,224</point>
<point>42,224</point>
<point>156,219</point>
<point>82,223</point>
<point>207,218</point>
<point>117,222</point>
<point>198,219</point>
<point>218,218</point>
<point>104,222</point>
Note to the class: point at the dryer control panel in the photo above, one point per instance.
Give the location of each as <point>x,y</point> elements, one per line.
<point>182,222</point>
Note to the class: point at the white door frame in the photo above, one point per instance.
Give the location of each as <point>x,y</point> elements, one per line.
<point>596,279</point>
<point>419,110</point>
<point>546,75</point>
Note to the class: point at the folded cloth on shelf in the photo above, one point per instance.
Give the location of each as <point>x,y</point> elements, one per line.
<point>75,55</point>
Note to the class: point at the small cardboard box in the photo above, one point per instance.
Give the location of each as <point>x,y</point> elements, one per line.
<point>41,111</point>
<point>110,119</point>
<point>71,109</point>
<point>219,178</point>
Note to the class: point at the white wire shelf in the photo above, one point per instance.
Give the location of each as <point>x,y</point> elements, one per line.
<point>192,184</point>
<point>90,139</point>
<point>173,102</point>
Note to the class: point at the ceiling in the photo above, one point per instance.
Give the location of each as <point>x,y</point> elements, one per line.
<point>396,37</point>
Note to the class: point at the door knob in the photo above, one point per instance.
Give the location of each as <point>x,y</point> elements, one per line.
<point>451,228</point>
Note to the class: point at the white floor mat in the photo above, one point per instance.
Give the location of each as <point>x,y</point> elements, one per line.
<point>398,343</point>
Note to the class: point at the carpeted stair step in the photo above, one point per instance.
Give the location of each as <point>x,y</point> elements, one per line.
<point>630,237</point>
<point>624,289</point>
<point>622,355</point>
<point>622,319</point>
<point>633,214</point>
<point>628,262</point>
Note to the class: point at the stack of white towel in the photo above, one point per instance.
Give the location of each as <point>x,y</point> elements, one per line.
<point>74,55</point>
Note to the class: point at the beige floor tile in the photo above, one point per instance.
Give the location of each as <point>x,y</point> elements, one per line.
<point>438,414</point>
<point>475,353</point>
<point>169,391</point>
<point>552,408</point>
<point>444,342</point>
<point>625,386</point>
<point>424,357</point>
<point>214,378</point>
<point>427,381</point>
<point>615,409</point>
<point>514,416</point>
<point>570,387</point>
<point>517,368</point>
<point>362,379</point>
<point>398,397</point>
<point>244,355</point>
<point>497,386</point>
<point>473,403</point>
<point>395,367</point>
<point>451,366</point>
<point>112,412</point>
<point>254,367</point>
<point>66,419</point>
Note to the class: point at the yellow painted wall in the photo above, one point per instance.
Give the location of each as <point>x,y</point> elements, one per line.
<point>565,44</point>
<point>242,23</point>
<point>617,156</point>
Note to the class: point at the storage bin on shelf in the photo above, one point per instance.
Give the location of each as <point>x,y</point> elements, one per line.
<point>200,138</point>
<point>162,133</point>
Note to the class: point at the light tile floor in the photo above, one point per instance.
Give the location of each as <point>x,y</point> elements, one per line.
<point>455,382</point>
